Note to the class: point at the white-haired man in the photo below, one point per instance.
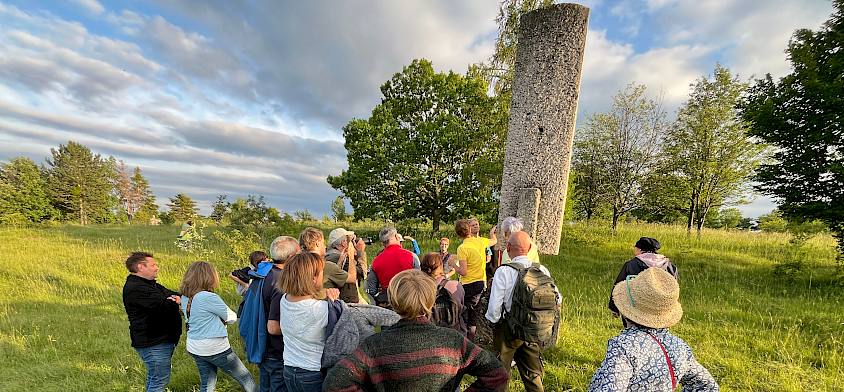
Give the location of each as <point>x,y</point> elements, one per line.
<point>509,226</point>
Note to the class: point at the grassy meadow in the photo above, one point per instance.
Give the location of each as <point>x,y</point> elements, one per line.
<point>62,324</point>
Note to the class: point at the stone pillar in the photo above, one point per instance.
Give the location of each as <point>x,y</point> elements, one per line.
<point>549,59</point>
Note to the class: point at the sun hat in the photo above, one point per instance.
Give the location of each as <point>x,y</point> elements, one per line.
<point>650,299</point>
<point>338,234</point>
<point>647,244</point>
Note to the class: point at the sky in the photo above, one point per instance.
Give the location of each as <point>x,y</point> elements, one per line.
<point>250,97</point>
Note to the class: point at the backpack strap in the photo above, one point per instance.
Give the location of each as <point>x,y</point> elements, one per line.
<point>667,361</point>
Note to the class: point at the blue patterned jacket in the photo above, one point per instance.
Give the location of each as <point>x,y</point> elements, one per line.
<point>634,362</point>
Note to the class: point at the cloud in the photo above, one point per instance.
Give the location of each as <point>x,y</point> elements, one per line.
<point>325,65</point>
<point>609,66</point>
<point>92,6</point>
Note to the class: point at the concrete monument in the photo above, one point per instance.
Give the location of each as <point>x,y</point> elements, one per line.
<point>549,59</point>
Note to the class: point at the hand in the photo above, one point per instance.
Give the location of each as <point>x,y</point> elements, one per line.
<point>237,280</point>
<point>175,298</point>
<point>332,294</point>
<point>492,231</point>
<point>352,252</point>
<point>409,238</point>
<point>360,245</point>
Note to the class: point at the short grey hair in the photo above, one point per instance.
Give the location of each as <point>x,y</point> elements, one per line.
<point>511,225</point>
<point>283,248</point>
<point>387,234</point>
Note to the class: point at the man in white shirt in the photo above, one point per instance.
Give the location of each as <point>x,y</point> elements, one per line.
<point>528,355</point>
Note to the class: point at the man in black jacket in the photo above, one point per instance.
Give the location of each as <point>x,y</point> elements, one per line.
<point>155,323</point>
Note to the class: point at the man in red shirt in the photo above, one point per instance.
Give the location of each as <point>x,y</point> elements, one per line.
<point>392,260</point>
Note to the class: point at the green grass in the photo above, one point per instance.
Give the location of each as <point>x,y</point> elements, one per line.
<point>62,325</point>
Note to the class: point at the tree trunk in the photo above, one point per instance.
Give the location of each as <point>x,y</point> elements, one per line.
<point>436,221</point>
<point>615,216</point>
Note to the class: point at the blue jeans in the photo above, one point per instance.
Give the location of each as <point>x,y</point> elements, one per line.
<point>301,380</point>
<point>230,363</point>
<point>157,360</point>
<point>272,375</point>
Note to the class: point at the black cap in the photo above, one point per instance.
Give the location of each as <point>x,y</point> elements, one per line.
<point>647,244</point>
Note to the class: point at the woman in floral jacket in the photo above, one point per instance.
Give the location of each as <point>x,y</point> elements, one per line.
<point>645,356</point>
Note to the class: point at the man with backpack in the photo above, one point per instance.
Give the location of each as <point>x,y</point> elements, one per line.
<point>259,321</point>
<point>524,304</point>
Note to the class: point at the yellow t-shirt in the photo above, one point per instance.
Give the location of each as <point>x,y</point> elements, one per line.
<point>473,252</point>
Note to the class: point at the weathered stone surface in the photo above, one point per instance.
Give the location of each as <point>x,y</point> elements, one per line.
<point>549,59</point>
<point>528,209</point>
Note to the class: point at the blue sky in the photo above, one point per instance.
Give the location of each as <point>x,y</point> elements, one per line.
<point>249,97</point>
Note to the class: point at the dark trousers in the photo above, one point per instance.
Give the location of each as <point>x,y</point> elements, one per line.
<point>528,357</point>
<point>272,375</point>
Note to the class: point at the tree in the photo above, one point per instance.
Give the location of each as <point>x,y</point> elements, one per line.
<point>219,209</point>
<point>588,172</point>
<point>730,218</point>
<point>338,209</point>
<point>802,116</point>
<point>22,191</point>
<point>432,149</point>
<point>123,190</point>
<point>304,215</point>
<point>252,211</point>
<point>707,150</point>
<point>145,199</point>
<point>79,183</point>
<point>147,211</point>
<point>182,208</point>
<point>627,141</point>
<point>500,71</point>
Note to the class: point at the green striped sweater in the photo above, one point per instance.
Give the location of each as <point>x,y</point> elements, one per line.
<point>414,355</point>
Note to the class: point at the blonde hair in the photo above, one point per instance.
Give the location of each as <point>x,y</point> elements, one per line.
<point>412,294</point>
<point>299,273</point>
<point>200,276</point>
<point>310,240</point>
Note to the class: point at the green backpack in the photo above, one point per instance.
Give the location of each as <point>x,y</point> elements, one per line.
<point>533,316</point>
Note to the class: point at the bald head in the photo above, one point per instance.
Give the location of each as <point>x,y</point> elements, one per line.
<point>518,244</point>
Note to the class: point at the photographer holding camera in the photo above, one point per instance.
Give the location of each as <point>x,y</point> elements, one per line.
<point>344,245</point>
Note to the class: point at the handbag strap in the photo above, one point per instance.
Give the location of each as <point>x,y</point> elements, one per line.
<point>667,360</point>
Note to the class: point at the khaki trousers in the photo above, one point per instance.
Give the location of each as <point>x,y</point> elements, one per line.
<point>528,357</point>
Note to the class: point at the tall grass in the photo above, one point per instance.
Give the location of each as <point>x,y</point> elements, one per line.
<point>62,324</point>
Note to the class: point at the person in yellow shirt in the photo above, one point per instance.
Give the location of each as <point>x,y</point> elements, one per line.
<point>471,265</point>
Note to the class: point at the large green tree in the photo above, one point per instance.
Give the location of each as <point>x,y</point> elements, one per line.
<point>802,116</point>
<point>433,149</point>
<point>707,153</point>
<point>182,208</point>
<point>80,183</point>
<point>22,191</point>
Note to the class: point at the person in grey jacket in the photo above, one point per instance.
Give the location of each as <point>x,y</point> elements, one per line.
<point>348,325</point>
<point>645,356</point>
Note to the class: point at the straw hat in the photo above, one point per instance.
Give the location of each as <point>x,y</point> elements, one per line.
<point>649,299</point>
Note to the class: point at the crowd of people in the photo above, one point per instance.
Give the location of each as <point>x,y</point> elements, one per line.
<point>315,315</point>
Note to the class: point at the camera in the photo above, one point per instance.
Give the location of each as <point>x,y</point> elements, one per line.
<point>242,274</point>
<point>366,240</point>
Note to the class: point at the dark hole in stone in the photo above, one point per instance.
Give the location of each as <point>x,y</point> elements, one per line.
<point>541,130</point>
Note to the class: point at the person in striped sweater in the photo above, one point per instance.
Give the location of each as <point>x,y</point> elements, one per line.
<point>413,354</point>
